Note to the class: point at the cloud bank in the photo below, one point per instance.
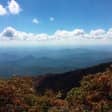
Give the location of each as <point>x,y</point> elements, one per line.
<point>11,34</point>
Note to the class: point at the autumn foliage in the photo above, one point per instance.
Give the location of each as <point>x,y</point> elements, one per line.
<point>94,94</point>
<point>18,94</point>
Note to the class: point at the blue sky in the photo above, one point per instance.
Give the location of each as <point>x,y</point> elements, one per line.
<point>68,14</point>
<point>55,19</point>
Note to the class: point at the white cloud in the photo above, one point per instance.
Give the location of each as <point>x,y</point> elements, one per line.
<point>76,34</point>
<point>109,33</point>
<point>35,21</point>
<point>51,19</point>
<point>99,33</point>
<point>10,33</point>
<point>14,7</point>
<point>3,10</point>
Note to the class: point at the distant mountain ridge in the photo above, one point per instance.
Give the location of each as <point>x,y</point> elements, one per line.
<point>36,61</point>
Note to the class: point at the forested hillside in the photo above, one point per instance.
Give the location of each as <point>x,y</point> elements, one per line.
<point>93,93</point>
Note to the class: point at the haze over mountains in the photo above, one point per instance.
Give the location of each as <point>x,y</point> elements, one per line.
<point>42,60</point>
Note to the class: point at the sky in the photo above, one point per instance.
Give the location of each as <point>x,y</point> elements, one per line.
<point>57,20</point>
